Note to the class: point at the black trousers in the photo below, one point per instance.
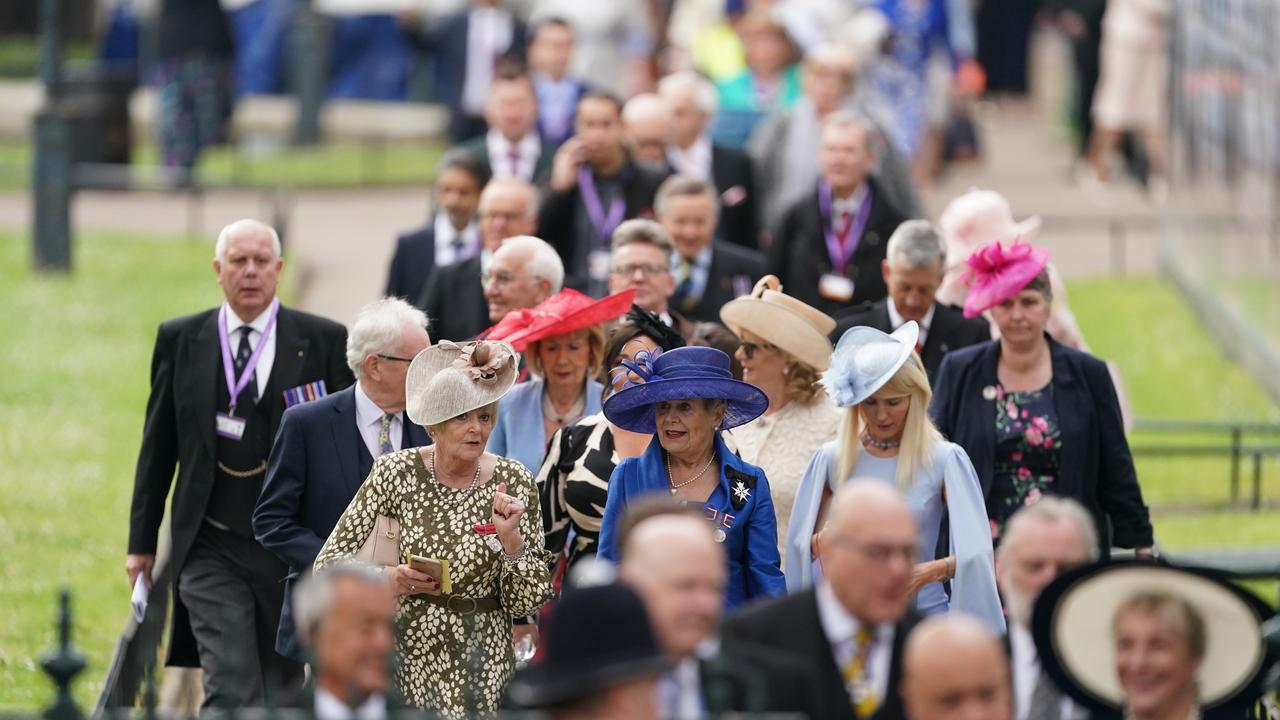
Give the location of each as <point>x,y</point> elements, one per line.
<point>233,589</point>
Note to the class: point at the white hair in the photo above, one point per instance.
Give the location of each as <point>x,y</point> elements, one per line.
<point>497,185</point>
<point>313,596</point>
<point>918,244</point>
<point>703,90</point>
<point>544,262</point>
<point>1051,510</point>
<point>244,227</point>
<point>378,328</point>
<point>645,105</point>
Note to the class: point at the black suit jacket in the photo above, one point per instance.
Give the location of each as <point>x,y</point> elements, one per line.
<point>479,147</point>
<point>799,257</point>
<point>318,462</point>
<point>1095,466</point>
<point>454,302</point>
<point>949,330</point>
<point>734,270</point>
<point>179,428</point>
<point>747,678</point>
<point>735,182</point>
<point>791,624</point>
<point>412,263</point>
<point>556,219</point>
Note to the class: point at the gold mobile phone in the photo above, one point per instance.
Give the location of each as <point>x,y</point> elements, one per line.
<point>438,569</point>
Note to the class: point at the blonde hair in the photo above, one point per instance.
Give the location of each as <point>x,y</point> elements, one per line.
<point>595,351</point>
<point>918,437</point>
<point>802,381</point>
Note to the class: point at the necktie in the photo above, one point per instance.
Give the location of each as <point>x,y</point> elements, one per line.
<point>683,295</point>
<point>513,155</point>
<point>459,247</point>
<point>846,223</point>
<point>242,356</point>
<point>384,435</point>
<point>1046,701</point>
<point>857,677</point>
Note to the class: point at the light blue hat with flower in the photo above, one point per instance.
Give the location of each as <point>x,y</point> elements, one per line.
<point>865,359</point>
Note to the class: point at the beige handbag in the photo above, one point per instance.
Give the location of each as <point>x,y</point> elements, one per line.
<point>382,547</point>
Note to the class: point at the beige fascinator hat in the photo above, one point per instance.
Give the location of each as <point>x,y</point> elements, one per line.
<point>448,379</point>
<point>782,321</point>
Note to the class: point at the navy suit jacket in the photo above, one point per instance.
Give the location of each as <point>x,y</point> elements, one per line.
<point>412,264</point>
<point>317,464</point>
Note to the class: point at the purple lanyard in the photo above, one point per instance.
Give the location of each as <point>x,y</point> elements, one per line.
<point>236,386</point>
<point>840,250</point>
<point>603,224</point>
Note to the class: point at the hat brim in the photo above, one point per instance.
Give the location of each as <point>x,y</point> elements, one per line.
<point>602,310</point>
<point>780,327</point>
<point>545,685</point>
<point>906,336</point>
<point>1073,619</point>
<point>1008,283</point>
<point>426,405</point>
<point>632,408</point>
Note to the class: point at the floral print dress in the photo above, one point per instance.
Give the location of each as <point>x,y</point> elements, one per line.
<point>455,664</point>
<point>1028,448</point>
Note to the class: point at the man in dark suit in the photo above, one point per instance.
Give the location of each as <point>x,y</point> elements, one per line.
<point>453,298</point>
<point>550,51</point>
<point>854,622</point>
<point>466,46</point>
<point>828,247</point>
<point>954,666</point>
<point>642,258</point>
<point>693,101</point>
<point>668,554</point>
<point>512,147</point>
<point>325,449</point>
<point>912,269</point>
<point>452,236</point>
<point>220,380</point>
<point>594,187</point>
<point>708,273</point>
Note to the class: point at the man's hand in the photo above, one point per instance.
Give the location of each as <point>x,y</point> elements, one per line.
<point>134,564</point>
<point>564,167</point>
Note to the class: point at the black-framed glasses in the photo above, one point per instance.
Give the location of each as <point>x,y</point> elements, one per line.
<point>749,348</point>
<point>393,357</point>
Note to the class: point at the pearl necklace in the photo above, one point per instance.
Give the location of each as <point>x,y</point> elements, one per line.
<point>671,480</point>
<point>471,487</point>
<point>879,445</point>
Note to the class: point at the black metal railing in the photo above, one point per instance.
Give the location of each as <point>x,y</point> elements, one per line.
<point>1235,446</point>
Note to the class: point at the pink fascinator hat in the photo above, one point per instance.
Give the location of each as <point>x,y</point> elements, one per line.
<point>997,273</point>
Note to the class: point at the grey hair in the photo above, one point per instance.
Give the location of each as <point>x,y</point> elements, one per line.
<point>703,90</point>
<point>510,183</point>
<point>313,597</point>
<point>377,330</point>
<point>918,243</point>
<point>846,119</point>
<point>645,103</point>
<point>646,232</point>
<point>544,262</point>
<point>240,227</point>
<point>1051,510</point>
<point>684,186</point>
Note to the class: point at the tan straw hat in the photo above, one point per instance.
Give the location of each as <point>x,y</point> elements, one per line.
<point>782,321</point>
<point>447,379</point>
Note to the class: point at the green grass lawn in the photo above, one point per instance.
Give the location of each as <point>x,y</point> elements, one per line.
<point>76,356</point>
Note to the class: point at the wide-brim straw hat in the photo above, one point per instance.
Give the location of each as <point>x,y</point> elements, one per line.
<point>865,359</point>
<point>979,217</point>
<point>685,373</point>
<point>565,312</point>
<point>782,321</point>
<point>1073,626</point>
<point>449,379</point>
<point>996,273</point>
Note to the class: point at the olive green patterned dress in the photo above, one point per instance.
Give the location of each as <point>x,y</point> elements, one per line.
<point>455,664</point>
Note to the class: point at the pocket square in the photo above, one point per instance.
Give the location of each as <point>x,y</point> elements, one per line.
<point>304,393</point>
<point>733,196</point>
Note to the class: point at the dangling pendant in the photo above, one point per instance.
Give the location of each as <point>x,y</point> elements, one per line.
<point>719,535</point>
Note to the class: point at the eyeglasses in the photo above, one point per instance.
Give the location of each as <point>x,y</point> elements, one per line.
<point>494,215</point>
<point>879,553</point>
<point>393,357</point>
<point>646,269</point>
<point>749,348</point>
<point>499,279</point>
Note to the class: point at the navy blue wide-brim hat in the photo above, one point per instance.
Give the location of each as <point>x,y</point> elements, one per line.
<point>687,373</point>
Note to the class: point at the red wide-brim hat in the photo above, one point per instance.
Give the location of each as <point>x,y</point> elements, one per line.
<point>565,312</point>
<point>997,273</point>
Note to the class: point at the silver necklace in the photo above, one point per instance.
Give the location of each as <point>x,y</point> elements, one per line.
<point>671,480</point>
<point>471,487</point>
<point>879,445</point>
<point>574,414</point>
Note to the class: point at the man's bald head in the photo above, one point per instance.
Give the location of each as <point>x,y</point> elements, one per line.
<point>868,549</point>
<point>955,668</point>
<point>678,569</point>
<point>647,118</point>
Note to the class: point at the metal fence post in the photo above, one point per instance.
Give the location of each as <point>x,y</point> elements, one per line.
<point>310,69</point>
<point>1235,463</point>
<point>62,665</point>
<point>1256,502</point>
<point>52,181</point>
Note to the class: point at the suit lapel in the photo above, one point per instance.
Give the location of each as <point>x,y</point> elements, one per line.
<point>412,434</point>
<point>346,436</point>
<point>291,356</point>
<point>937,343</point>
<point>1072,405</point>
<point>205,357</point>
<point>986,416</point>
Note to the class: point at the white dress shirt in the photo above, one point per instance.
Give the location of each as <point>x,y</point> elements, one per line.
<point>1025,662</point>
<point>446,253</point>
<point>268,357</point>
<point>489,34</point>
<point>840,628</point>
<point>527,152</point>
<point>896,321</point>
<point>369,422</point>
<point>694,160</point>
<point>329,707</point>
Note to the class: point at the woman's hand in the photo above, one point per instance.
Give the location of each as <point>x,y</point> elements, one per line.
<point>507,511</point>
<point>408,581</point>
<point>934,571</point>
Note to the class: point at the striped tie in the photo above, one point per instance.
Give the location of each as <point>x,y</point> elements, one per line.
<point>857,677</point>
<point>384,435</point>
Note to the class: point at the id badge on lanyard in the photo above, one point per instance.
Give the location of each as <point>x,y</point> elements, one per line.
<point>226,424</point>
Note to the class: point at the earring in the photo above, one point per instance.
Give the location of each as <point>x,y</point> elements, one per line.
<point>786,369</point>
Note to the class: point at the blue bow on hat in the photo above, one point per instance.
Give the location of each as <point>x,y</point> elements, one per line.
<point>865,359</point>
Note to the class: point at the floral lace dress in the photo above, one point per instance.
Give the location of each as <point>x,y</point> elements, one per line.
<point>454,664</point>
<point>1028,448</point>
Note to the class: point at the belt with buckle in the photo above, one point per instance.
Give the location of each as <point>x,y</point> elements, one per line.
<point>463,605</point>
